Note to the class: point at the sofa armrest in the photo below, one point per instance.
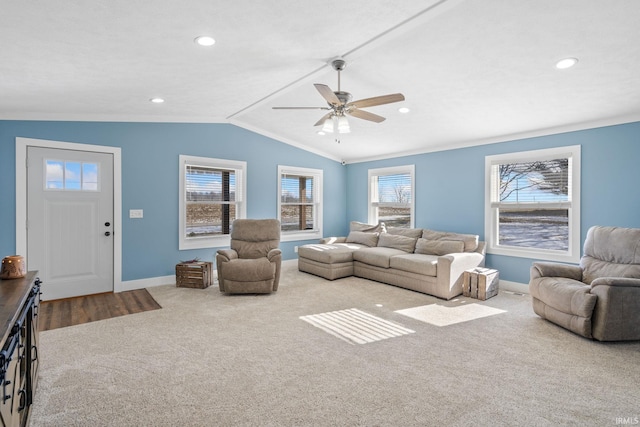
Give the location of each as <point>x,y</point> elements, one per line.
<point>274,254</point>
<point>616,281</point>
<point>452,266</point>
<point>616,315</point>
<point>227,254</point>
<point>332,240</point>
<point>553,269</point>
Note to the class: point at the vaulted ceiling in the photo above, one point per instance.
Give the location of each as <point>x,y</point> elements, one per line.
<point>472,72</point>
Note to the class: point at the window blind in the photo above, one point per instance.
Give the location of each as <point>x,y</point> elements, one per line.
<point>298,189</point>
<point>207,184</point>
<point>392,189</point>
<point>544,182</point>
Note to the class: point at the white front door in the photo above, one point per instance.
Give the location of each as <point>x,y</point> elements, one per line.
<point>70,221</point>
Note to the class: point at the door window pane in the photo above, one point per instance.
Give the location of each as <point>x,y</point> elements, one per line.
<point>90,176</point>
<point>73,176</point>
<point>54,174</point>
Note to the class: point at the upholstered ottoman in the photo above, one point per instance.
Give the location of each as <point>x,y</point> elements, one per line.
<point>328,261</point>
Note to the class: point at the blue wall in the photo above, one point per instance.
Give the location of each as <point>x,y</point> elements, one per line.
<point>450,185</point>
<point>150,181</point>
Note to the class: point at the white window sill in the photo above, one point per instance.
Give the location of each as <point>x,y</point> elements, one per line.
<point>205,243</point>
<point>545,255</point>
<point>300,235</point>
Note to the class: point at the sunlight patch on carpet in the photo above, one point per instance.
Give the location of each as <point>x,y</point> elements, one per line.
<point>355,326</point>
<point>440,315</point>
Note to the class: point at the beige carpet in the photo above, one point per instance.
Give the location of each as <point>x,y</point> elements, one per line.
<point>208,359</point>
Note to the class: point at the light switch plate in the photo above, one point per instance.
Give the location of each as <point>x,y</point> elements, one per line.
<point>135,213</point>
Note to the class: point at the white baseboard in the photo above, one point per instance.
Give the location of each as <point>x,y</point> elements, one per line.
<point>130,285</point>
<point>506,285</point>
<point>150,282</point>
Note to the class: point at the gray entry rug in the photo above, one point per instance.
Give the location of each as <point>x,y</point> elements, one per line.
<point>208,359</point>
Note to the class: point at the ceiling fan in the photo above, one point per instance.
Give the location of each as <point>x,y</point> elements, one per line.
<point>341,106</point>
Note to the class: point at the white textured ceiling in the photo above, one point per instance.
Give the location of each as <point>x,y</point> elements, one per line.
<point>472,71</point>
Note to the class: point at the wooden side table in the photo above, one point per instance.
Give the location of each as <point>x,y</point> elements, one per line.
<point>481,283</point>
<point>194,274</point>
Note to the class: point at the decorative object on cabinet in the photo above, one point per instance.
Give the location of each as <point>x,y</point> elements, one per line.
<point>13,267</point>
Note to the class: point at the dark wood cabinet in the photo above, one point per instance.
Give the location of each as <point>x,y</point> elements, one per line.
<point>19,305</point>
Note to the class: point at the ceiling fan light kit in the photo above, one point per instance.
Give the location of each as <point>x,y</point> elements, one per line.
<point>340,105</point>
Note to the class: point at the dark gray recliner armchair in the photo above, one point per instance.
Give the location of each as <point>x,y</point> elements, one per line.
<point>252,265</point>
<point>600,298</point>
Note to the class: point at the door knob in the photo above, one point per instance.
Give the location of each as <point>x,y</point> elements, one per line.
<point>106,233</point>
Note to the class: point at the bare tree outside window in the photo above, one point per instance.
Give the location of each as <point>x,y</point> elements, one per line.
<point>394,199</point>
<point>533,197</point>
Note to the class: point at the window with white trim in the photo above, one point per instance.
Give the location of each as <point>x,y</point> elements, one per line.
<point>299,203</point>
<point>391,196</point>
<point>532,204</point>
<point>212,195</point>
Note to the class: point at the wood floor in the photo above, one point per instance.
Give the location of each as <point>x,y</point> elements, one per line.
<point>74,311</point>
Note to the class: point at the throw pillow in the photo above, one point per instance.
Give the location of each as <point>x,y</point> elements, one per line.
<point>408,232</point>
<point>470,240</point>
<point>403,243</point>
<point>439,247</point>
<point>367,239</point>
<point>367,228</point>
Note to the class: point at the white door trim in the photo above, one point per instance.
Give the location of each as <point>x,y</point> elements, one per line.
<point>21,195</point>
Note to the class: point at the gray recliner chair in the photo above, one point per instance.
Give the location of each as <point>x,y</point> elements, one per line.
<point>600,298</point>
<point>252,265</point>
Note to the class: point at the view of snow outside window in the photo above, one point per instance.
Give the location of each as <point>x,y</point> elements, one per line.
<point>533,207</point>
<point>394,200</point>
<point>297,204</point>
<point>66,175</point>
<point>210,201</point>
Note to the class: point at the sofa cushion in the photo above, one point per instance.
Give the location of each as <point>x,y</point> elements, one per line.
<point>406,244</point>
<point>367,228</point>
<point>470,240</point>
<point>416,263</point>
<point>327,254</point>
<point>409,232</point>
<point>378,256</point>
<point>367,239</point>
<point>439,247</point>
<point>249,270</point>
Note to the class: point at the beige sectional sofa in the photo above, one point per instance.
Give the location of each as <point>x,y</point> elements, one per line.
<point>422,260</point>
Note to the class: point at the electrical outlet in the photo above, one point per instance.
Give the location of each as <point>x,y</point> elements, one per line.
<point>295,249</point>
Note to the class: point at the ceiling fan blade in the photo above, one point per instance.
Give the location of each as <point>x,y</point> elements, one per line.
<point>377,100</point>
<point>327,94</point>
<point>301,108</point>
<point>322,120</point>
<point>365,115</point>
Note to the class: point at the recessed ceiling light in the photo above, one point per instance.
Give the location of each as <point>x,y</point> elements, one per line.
<point>321,133</point>
<point>566,63</point>
<point>403,110</point>
<point>205,41</point>
<point>157,100</point>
